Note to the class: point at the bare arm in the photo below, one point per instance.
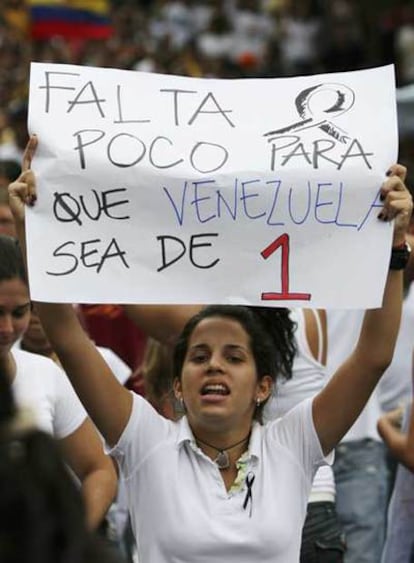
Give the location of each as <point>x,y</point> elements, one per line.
<point>105,399</point>
<point>339,404</point>
<point>107,402</point>
<point>83,451</point>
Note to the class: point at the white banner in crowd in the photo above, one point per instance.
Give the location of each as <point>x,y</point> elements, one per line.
<point>165,189</point>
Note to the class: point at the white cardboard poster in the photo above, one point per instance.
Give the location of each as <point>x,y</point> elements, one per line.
<point>164,189</point>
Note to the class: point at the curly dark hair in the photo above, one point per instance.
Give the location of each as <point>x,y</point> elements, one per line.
<point>278,323</point>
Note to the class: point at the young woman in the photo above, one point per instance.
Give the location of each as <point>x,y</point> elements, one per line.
<point>217,485</point>
<point>304,342</point>
<point>38,384</point>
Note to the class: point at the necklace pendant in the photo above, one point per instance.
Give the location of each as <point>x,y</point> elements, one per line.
<point>222,460</point>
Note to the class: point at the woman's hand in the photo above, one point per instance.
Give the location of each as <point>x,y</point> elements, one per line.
<point>398,203</point>
<point>394,417</point>
<point>22,191</point>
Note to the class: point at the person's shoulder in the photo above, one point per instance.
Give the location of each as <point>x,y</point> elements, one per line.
<point>294,431</point>
<point>296,415</point>
<point>29,357</point>
<point>35,362</point>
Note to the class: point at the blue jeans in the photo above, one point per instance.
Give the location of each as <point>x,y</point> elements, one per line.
<point>399,542</point>
<point>361,502</point>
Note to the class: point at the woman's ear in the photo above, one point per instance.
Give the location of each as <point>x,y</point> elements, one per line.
<point>264,388</point>
<point>178,393</point>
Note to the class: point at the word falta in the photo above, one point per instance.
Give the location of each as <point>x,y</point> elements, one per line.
<point>273,201</point>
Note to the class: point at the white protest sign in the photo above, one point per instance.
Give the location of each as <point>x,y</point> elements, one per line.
<point>166,189</point>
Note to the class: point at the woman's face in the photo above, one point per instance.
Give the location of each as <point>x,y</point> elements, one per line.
<point>14,312</point>
<point>219,382</point>
<point>34,339</point>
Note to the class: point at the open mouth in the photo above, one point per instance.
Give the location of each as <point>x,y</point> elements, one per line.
<point>215,389</point>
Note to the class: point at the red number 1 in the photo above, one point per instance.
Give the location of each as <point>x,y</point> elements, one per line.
<point>282,241</point>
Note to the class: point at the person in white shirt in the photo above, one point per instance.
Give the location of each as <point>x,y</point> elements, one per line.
<point>322,535</point>
<point>217,485</point>
<point>41,386</point>
<point>42,513</point>
<point>34,340</point>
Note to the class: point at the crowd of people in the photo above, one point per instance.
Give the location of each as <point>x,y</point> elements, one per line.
<point>198,434</point>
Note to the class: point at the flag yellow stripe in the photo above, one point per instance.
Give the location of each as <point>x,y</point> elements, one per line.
<point>96,6</point>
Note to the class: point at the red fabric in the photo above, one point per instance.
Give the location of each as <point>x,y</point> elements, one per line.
<point>48,29</point>
<point>108,326</point>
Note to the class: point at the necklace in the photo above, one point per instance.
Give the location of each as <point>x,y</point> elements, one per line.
<point>222,459</point>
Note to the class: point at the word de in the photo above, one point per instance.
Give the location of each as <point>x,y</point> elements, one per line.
<point>176,249</point>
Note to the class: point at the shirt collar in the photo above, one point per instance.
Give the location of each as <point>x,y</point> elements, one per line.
<point>184,431</point>
<point>255,444</point>
<point>185,435</point>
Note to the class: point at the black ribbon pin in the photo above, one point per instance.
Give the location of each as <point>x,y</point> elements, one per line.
<point>248,499</point>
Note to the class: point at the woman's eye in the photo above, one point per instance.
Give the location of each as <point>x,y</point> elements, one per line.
<point>235,359</point>
<point>199,358</point>
<point>19,313</point>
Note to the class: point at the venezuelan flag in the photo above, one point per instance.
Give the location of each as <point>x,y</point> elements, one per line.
<point>87,19</point>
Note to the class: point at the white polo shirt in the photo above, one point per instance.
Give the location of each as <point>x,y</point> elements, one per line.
<point>180,509</point>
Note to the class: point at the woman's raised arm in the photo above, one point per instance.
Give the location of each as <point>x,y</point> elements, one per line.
<point>339,404</point>
<point>107,402</point>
